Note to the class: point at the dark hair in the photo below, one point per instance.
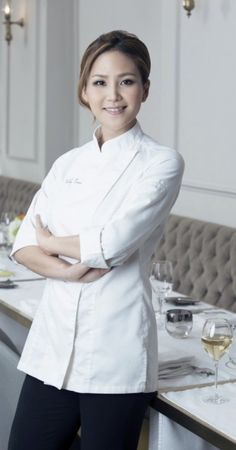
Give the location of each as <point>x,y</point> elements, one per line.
<point>122,41</point>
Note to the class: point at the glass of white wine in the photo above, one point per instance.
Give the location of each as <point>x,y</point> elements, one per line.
<point>231,363</point>
<point>162,282</point>
<point>217,336</point>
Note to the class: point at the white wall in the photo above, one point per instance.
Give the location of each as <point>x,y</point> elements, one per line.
<point>192,100</point>
<point>205,109</point>
<point>37,88</point>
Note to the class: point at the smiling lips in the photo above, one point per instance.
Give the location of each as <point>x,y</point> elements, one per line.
<point>115,110</point>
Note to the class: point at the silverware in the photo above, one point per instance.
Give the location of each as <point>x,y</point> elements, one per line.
<point>7,286</point>
<point>203,370</point>
<point>180,371</point>
<point>26,279</point>
<point>12,283</point>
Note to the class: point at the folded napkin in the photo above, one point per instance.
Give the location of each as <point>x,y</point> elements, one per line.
<point>171,366</point>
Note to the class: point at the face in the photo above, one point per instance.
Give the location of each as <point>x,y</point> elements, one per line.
<point>114,93</point>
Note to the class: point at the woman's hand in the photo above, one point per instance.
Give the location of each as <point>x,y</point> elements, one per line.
<point>84,274</point>
<point>44,236</point>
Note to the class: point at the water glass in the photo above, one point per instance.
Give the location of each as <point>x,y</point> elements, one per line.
<point>179,322</point>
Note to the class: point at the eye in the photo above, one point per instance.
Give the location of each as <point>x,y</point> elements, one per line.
<point>99,83</point>
<point>127,82</point>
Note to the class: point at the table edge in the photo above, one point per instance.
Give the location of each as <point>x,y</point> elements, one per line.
<point>192,423</point>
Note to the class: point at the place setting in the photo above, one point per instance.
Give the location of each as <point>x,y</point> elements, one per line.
<point>212,403</point>
<point>183,356</point>
<point>197,355</point>
<point>181,360</point>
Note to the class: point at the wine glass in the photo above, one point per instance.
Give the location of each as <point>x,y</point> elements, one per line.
<point>162,281</point>
<point>5,220</point>
<point>217,336</point>
<point>5,246</point>
<point>231,363</point>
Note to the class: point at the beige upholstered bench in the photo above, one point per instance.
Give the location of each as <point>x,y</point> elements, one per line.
<point>16,195</point>
<point>204,259</point>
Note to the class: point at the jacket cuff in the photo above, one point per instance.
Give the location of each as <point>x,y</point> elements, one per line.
<point>91,252</point>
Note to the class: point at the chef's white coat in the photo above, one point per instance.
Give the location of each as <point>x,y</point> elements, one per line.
<point>101,337</point>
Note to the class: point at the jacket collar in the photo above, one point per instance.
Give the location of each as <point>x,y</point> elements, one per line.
<point>119,154</point>
<point>122,143</point>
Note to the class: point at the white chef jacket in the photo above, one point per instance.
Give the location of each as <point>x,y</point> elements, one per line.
<point>101,337</point>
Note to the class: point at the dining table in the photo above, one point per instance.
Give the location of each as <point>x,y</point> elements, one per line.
<point>20,294</point>
<point>178,417</point>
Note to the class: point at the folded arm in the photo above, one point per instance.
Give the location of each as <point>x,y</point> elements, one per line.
<point>27,251</point>
<point>50,266</point>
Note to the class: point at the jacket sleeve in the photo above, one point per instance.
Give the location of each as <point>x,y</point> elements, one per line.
<point>26,235</point>
<point>146,207</point>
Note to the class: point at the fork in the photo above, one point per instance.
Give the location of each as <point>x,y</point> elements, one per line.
<point>203,370</point>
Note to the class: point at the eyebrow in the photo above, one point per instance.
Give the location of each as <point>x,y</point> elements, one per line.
<point>120,75</point>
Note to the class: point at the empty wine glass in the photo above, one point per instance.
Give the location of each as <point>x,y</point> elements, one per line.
<point>5,246</point>
<point>162,281</point>
<point>5,220</point>
<point>217,336</point>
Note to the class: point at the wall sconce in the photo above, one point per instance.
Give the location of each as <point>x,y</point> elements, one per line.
<point>188,5</point>
<point>8,22</point>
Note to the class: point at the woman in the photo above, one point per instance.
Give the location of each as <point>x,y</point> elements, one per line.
<point>91,354</point>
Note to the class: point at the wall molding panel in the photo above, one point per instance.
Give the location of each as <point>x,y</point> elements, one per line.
<point>37,75</point>
<point>22,152</point>
<point>22,128</point>
<point>210,189</point>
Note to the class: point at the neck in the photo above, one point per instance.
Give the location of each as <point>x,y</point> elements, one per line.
<point>106,135</point>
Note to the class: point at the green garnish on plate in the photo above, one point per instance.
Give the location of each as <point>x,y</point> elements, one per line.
<point>6,273</point>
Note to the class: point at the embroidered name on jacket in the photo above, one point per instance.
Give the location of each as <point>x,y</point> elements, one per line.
<point>73,180</point>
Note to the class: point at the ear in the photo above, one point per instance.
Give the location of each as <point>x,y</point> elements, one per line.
<point>84,95</point>
<point>146,90</point>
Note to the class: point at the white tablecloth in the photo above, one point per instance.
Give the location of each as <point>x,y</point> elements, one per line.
<point>165,434</point>
<point>26,296</point>
<point>221,417</point>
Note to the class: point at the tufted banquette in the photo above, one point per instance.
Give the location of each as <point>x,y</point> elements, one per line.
<point>204,259</point>
<point>203,253</point>
<point>16,195</point>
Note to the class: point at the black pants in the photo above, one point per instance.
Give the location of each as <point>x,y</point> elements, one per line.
<point>48,419</point>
